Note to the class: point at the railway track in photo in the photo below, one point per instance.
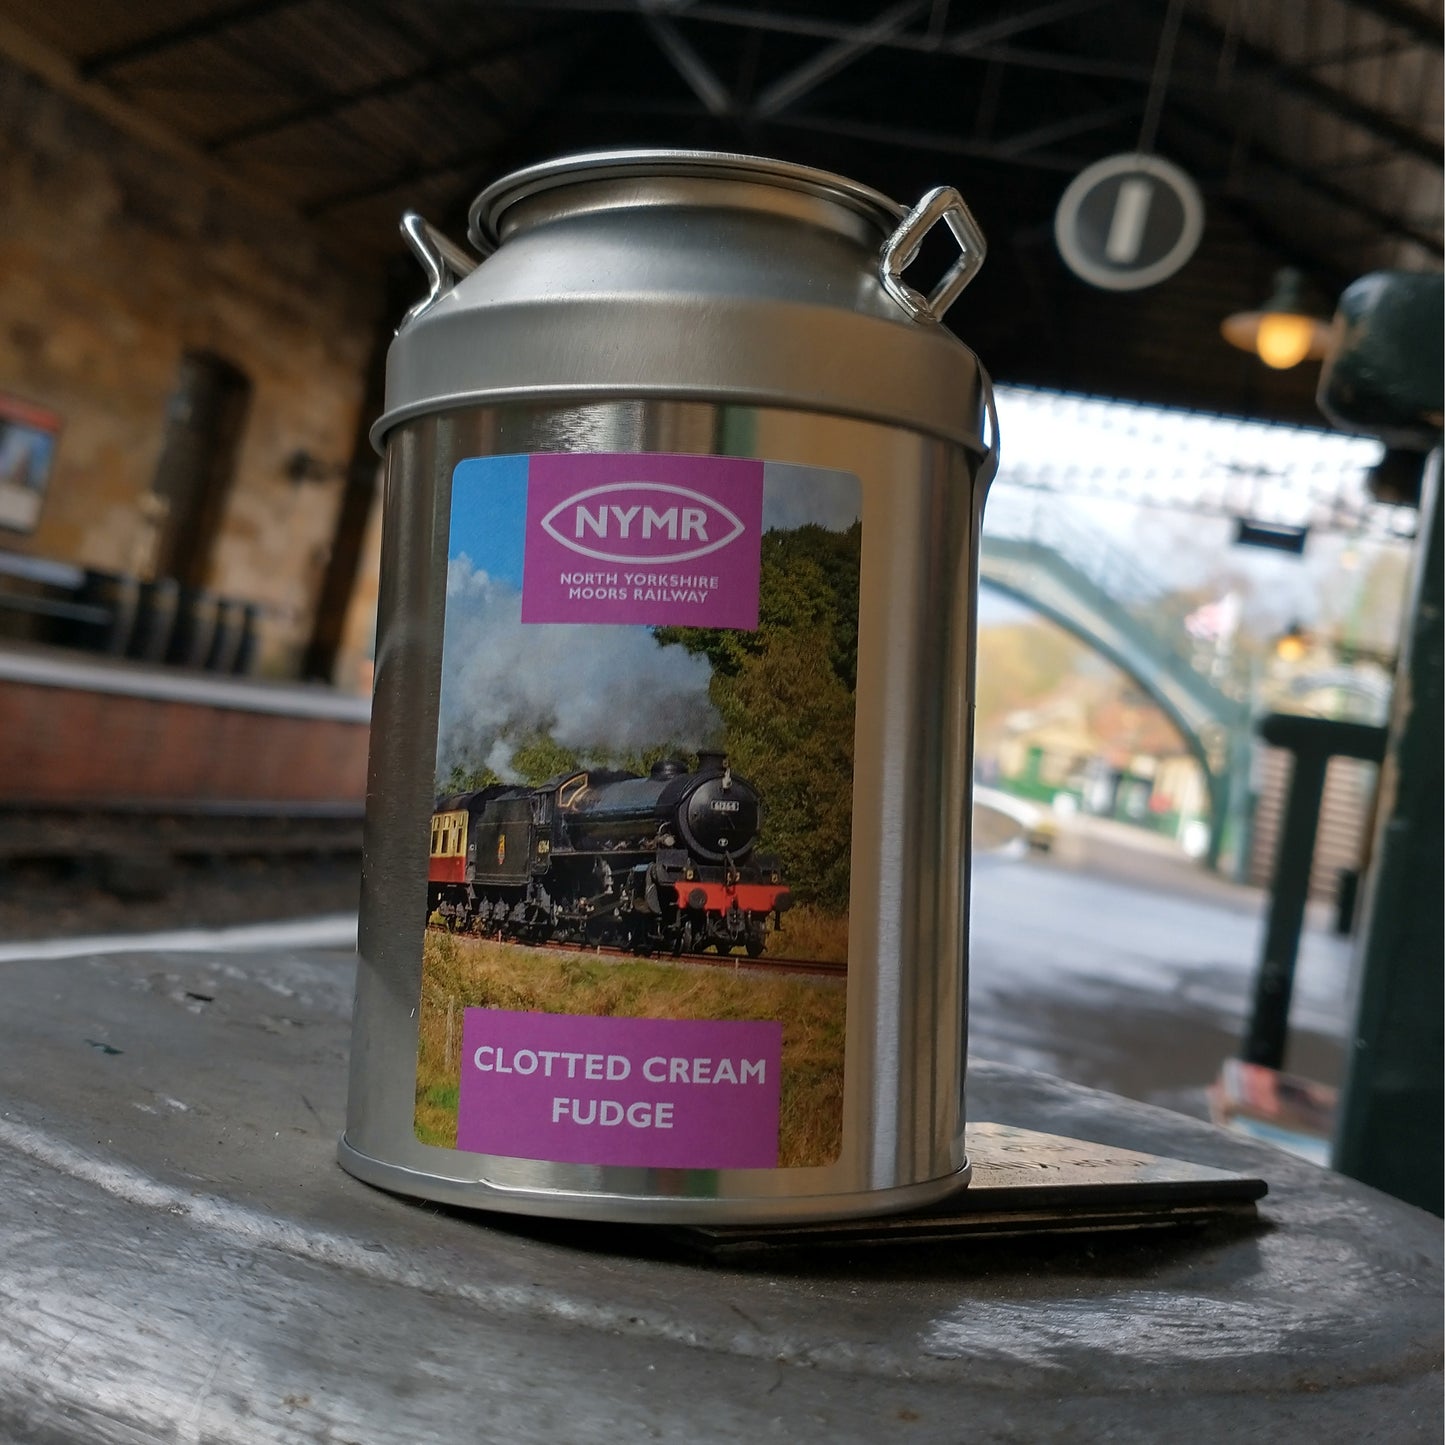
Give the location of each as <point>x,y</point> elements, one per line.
<point>761,964</point>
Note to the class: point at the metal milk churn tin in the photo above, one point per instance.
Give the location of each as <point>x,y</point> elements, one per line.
<point>664,903</point>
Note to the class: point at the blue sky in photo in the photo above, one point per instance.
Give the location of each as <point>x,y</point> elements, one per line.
<point>489,516</point>
<point>795,495</point>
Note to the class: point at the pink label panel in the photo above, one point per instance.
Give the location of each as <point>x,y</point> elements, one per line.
<point>647,1093</point>
<point>657,539</point>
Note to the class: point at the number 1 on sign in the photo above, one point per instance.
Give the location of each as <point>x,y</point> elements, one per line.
<point>1131,214</point>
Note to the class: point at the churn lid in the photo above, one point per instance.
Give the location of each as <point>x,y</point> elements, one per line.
<point>489,209</point>
<point>690,275</point>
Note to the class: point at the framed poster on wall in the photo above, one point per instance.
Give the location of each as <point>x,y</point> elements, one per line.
<point>28,434</point>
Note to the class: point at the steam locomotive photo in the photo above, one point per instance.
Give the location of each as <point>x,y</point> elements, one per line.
<point>663,863</point>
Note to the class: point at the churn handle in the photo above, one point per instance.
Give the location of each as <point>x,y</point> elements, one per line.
<point>941,204</point>
<point>444,262</point>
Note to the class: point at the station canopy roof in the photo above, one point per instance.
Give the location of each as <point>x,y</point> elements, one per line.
<point>1313,128</point>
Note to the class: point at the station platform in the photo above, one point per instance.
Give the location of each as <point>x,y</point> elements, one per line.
<point>181,1259</point>
<point>128,783</point>
<point>104,733</point>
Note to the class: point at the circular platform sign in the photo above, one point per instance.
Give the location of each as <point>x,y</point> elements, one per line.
<point>1128,222</point>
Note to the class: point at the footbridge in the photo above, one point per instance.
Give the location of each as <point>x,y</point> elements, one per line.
<point>1038,550</point>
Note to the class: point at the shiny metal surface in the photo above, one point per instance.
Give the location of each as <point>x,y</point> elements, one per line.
<point>738,288</point>
<point>485,228</point>
<point>714,305</point>
<point>903,1105</point>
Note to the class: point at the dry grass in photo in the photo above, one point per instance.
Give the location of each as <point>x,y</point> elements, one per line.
<point>460,973</point>
<point>809,932</point>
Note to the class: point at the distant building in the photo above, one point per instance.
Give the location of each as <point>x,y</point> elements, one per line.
<point>1116,758</point>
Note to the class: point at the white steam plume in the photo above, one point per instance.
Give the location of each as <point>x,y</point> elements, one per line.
<point>596,690</point>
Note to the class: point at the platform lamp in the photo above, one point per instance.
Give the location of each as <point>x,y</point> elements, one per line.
<point>1292,644</point>
<point>1284,331</point>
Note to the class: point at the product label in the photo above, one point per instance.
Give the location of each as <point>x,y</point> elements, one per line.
<point>635,951</point>
<point>663,1093</point>
<point>681,547</point>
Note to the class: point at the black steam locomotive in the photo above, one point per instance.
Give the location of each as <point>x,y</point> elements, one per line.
<point>665,863</point>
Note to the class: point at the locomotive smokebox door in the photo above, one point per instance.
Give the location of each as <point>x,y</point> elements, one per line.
<point>670,770</point>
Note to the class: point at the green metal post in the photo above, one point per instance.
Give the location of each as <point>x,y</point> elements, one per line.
<point>1392,1114</point>
<point>1274,982</point>
<point>1313,741</point>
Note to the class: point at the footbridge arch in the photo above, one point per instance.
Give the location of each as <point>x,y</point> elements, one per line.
<point>1042,554</point>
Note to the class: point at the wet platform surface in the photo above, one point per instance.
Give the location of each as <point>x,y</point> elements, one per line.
<point>1117,962</point>
<point>181,1259</point>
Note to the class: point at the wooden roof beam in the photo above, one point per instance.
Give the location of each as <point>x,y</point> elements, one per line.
<point>203,27</point>
<point>1422,25</point>
<point>1327,190</point>
<point>1337,102</point>
<point>325,106</point>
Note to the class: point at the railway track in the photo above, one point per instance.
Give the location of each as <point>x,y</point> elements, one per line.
<point>182,829</point>
<point>761,964</point>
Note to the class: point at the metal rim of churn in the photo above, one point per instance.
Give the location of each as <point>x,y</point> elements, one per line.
<point>485,217</point>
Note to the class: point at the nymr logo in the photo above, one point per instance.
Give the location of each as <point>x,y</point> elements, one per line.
<point>642,522</point>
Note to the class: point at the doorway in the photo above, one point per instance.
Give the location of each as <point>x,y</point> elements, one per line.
<point>204,418</point>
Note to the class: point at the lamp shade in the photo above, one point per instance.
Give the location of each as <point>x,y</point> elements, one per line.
<point>1283,332</point>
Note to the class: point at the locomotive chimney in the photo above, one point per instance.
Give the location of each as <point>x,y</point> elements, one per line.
<point>711,760</point>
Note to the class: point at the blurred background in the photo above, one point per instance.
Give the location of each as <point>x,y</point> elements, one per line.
<point>1219,399</point>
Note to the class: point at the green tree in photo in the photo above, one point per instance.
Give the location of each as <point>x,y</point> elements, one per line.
<point>465,779</point>
<point>535,757</point>
<point>786,696</point>
<point>539,757</point>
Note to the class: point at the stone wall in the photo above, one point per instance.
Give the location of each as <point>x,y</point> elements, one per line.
<point>118,257</point>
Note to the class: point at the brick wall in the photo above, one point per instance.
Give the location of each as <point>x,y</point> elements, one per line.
<point>115,258</point>
<point>66,746</point>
